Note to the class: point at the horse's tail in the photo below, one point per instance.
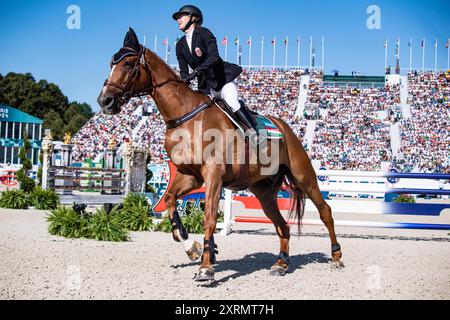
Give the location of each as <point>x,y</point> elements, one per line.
<point>298,200</point>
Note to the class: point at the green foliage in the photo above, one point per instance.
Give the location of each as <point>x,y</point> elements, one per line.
<point>134,215</point>
<point>102,227</point>
<point>14,199</point>
<point>26,183</point>
<point>134,200</point>
<point>44,199</point>
<point>164,225</point>
<point>404,198</point>
<point>43,100</point>
<point>39,172</point>
<point>192,221</point>
<point>66,222</point>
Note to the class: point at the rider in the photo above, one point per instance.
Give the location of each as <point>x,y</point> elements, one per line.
<point>198,56</point>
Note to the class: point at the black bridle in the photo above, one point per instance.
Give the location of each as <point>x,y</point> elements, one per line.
<point>136,71</point>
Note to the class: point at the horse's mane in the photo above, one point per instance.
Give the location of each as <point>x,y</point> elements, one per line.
<point>161,62</point>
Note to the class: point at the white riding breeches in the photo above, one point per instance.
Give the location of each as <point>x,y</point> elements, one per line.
<point>230,94</point>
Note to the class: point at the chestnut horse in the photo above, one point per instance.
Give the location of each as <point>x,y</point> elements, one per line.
<point>137,71</point>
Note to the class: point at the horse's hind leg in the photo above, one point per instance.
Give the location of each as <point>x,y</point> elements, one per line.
<point>182,185</point>
<point>266,191</point>
<point>311,188</point>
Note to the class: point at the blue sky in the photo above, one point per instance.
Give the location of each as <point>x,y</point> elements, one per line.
<point>35,38</point>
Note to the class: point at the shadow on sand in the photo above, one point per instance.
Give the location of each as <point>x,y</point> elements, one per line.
<point>255,262</point>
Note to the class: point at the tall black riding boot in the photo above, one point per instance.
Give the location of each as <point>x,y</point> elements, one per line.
<point>247,119</point>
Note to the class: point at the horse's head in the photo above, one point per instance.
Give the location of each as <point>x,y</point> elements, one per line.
<point>129,75</point>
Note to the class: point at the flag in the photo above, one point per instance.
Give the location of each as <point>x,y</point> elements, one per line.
<point>298,40</point>
<point>273,41</point>
<point>262,40</point>
<point>286,42</point>
<point>164,42</point>
<point>435,43</point>
<point>447,43</point>
<point>236,41</point>
<point>224,41</point>
<point>385,42</point>
<point>249,41</point>
<point>409,44</point>
<point>422,43</point>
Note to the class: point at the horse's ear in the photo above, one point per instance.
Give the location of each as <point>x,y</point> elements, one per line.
<point>131,40</point>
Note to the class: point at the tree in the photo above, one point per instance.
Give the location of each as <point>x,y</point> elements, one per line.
<point>40,98</point>
<point>75,124</point>
<point>53,121</point>
<point>26,183</point>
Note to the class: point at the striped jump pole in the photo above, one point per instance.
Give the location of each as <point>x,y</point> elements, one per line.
<point>351,223</point>
<point>226,227</point>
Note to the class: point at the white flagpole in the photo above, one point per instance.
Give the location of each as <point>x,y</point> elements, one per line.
<point>410,54</point>
<point>274,45</point>
<point>286,53</point>
<point>262,51</point>
<point>156,41</point>
<point>145,38</point>
<point>226,48</point>
<point>423,54</point>
<point>448,54</point>
<point>385,53</point>
<point>435,55</point>
<point>250,53</point>
<point>310,52</point>
<point>298,52</point>
<point>323,55</point>
<point>167,50</point>
<point>237,51</point>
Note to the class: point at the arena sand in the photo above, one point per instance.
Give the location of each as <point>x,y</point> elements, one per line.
<point>379,264</point>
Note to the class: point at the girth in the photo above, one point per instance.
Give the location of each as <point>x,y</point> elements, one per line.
<point>171,124</point>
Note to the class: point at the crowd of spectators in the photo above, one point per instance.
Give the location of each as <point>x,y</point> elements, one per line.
<point>354,134</point>
<point>103,130</point>
<point>352,128</point>
<point>425,137</point>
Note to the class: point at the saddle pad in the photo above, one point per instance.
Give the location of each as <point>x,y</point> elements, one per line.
<point>271,130</point>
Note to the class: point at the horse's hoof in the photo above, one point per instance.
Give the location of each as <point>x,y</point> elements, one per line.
<point>277,270</point>
<point>337,264</point>
<point>195,251</point>
<point>205,274</point>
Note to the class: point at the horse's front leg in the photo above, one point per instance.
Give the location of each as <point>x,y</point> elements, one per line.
<point>182,185</point>
<point>213,186</point>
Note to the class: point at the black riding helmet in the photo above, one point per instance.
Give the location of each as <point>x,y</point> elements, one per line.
<point>190,10</point>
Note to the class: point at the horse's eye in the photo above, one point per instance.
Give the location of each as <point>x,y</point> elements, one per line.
<point>127,63</point>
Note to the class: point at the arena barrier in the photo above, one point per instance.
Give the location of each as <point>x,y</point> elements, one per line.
<point>60,174</point>
<point>347,206</point>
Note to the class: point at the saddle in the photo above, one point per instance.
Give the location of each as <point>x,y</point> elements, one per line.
<point>267,130</point>
<point>265,126</point>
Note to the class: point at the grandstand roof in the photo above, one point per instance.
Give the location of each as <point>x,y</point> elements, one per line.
<point>10,114</point>
<point>354,79</point>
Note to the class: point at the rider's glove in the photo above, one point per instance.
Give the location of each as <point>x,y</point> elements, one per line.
<point>191,76</point>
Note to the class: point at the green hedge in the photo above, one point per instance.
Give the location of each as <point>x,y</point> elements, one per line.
<point>39,198</point>
<point>68,223</point>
